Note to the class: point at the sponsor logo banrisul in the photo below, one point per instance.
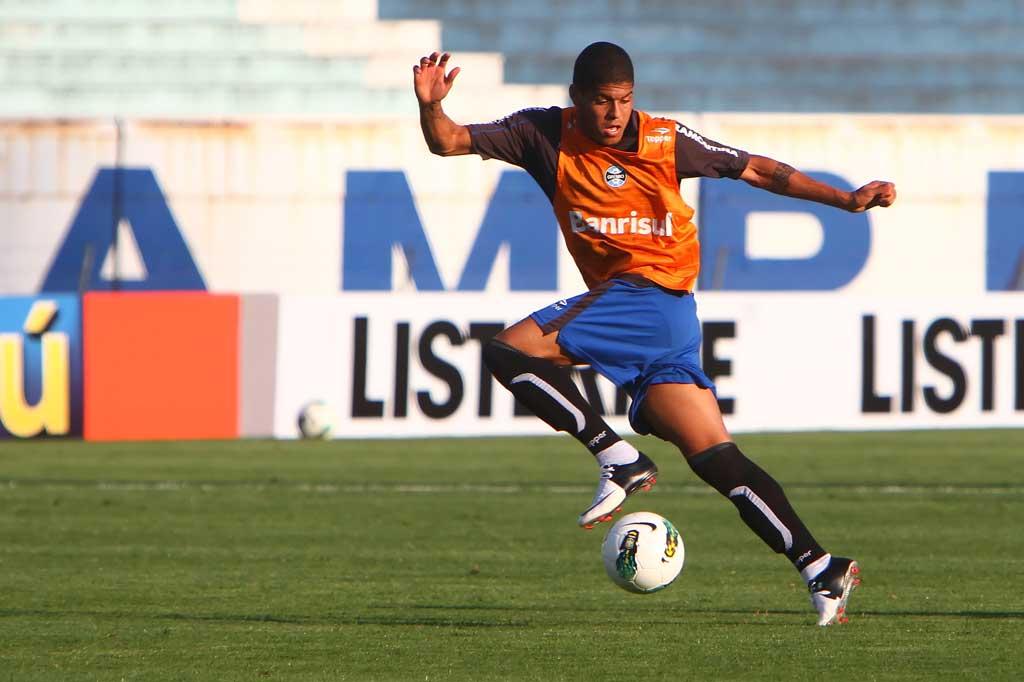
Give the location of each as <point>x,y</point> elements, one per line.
<point>631,224</point>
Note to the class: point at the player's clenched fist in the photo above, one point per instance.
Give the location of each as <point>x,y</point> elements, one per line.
<point>429,79</point>
<point>876,193</point>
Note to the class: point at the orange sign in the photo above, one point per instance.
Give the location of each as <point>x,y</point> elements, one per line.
<point>160,365</point>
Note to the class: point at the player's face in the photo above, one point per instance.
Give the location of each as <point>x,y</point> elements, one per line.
<point>602,113</point>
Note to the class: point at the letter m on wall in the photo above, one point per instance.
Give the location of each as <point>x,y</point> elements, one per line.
<point>380,217</point>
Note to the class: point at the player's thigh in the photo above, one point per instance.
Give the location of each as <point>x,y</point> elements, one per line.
<point>527,337</point>
<point>686,415</point>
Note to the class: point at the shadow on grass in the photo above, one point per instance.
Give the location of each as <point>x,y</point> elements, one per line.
<point>449,622</point>
<point>1011,615</point>
<point>981,615</point>
<point>270,618</point>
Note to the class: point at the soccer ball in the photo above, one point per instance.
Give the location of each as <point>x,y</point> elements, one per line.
<point>315,420</point>
<point>643,552</point>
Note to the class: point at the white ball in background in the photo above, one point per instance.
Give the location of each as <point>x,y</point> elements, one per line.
<point>315,420</point>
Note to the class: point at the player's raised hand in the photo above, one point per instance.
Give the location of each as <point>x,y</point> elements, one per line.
<point>876,193</point>
<point>429,79</point>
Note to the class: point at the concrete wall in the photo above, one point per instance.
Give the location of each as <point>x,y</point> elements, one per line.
<point>361,267</point>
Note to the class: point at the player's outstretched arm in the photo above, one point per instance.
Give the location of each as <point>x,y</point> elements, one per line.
<point>782,178</point>
<point>444,136</point>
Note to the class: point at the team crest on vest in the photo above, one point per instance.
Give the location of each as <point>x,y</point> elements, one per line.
<point>615,176</point>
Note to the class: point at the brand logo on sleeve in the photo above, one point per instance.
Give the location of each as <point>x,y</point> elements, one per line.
<point>615,176</point>
<point>696,137</point>
<point>660,137</point>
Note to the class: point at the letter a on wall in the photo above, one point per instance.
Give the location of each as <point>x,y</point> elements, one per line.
<point>121,199</point>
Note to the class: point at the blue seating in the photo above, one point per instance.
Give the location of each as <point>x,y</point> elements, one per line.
<point>202,57</point>
<point>720,12</point>
<point>948,56</point>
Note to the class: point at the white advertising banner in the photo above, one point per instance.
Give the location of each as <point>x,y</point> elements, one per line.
<point>399,365</point>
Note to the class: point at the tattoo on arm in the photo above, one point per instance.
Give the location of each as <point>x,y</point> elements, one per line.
<point>780,177</point>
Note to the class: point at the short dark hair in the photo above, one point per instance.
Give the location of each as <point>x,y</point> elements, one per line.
<point>602,63</point>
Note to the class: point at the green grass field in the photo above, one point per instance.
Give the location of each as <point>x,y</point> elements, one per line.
<point>460,559</point>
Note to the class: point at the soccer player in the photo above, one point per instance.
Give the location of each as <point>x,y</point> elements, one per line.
<point>612,174</point>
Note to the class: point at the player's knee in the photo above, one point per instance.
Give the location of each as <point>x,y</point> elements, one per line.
<point>506,361</point>
<point>521,336</point>
<point>527,338</point>
<point>693,445</point>
<point>721,465</point>
<point>505,336</point>
<point>726,451</point>
<point>497,355</point>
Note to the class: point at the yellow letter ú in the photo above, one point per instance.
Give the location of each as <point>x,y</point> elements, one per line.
<point>51,413</point>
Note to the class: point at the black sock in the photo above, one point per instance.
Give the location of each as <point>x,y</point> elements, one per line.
<point>549,392</point>
<point>760,500</point>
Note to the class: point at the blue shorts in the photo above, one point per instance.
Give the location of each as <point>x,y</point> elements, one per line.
<point>632,332</point>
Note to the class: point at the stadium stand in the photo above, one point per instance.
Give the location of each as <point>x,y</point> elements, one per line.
<point>228,58</point>
<point>232,58</point>
<point>947,56</point>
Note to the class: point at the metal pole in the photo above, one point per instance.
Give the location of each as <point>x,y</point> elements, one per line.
<point>116,205</point>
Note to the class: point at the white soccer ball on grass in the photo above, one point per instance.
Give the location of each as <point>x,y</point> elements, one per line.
<point>315,420</point>
<point>643,552</point>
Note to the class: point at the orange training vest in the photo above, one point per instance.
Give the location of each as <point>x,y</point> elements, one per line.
<point>620,212</point>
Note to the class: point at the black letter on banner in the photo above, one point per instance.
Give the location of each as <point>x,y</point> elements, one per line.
<point>621,402</point>
<point>869,400</point>
<point>441,369</point>
<point>714,366</point>
<point>361,405</point>
<point>987,330</point>
<point>588,377</point>
<point>1019,401</point>
<point>401,369</point>
<point>484,332</point>
<point>907,373</point>
<point>946,365</point>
